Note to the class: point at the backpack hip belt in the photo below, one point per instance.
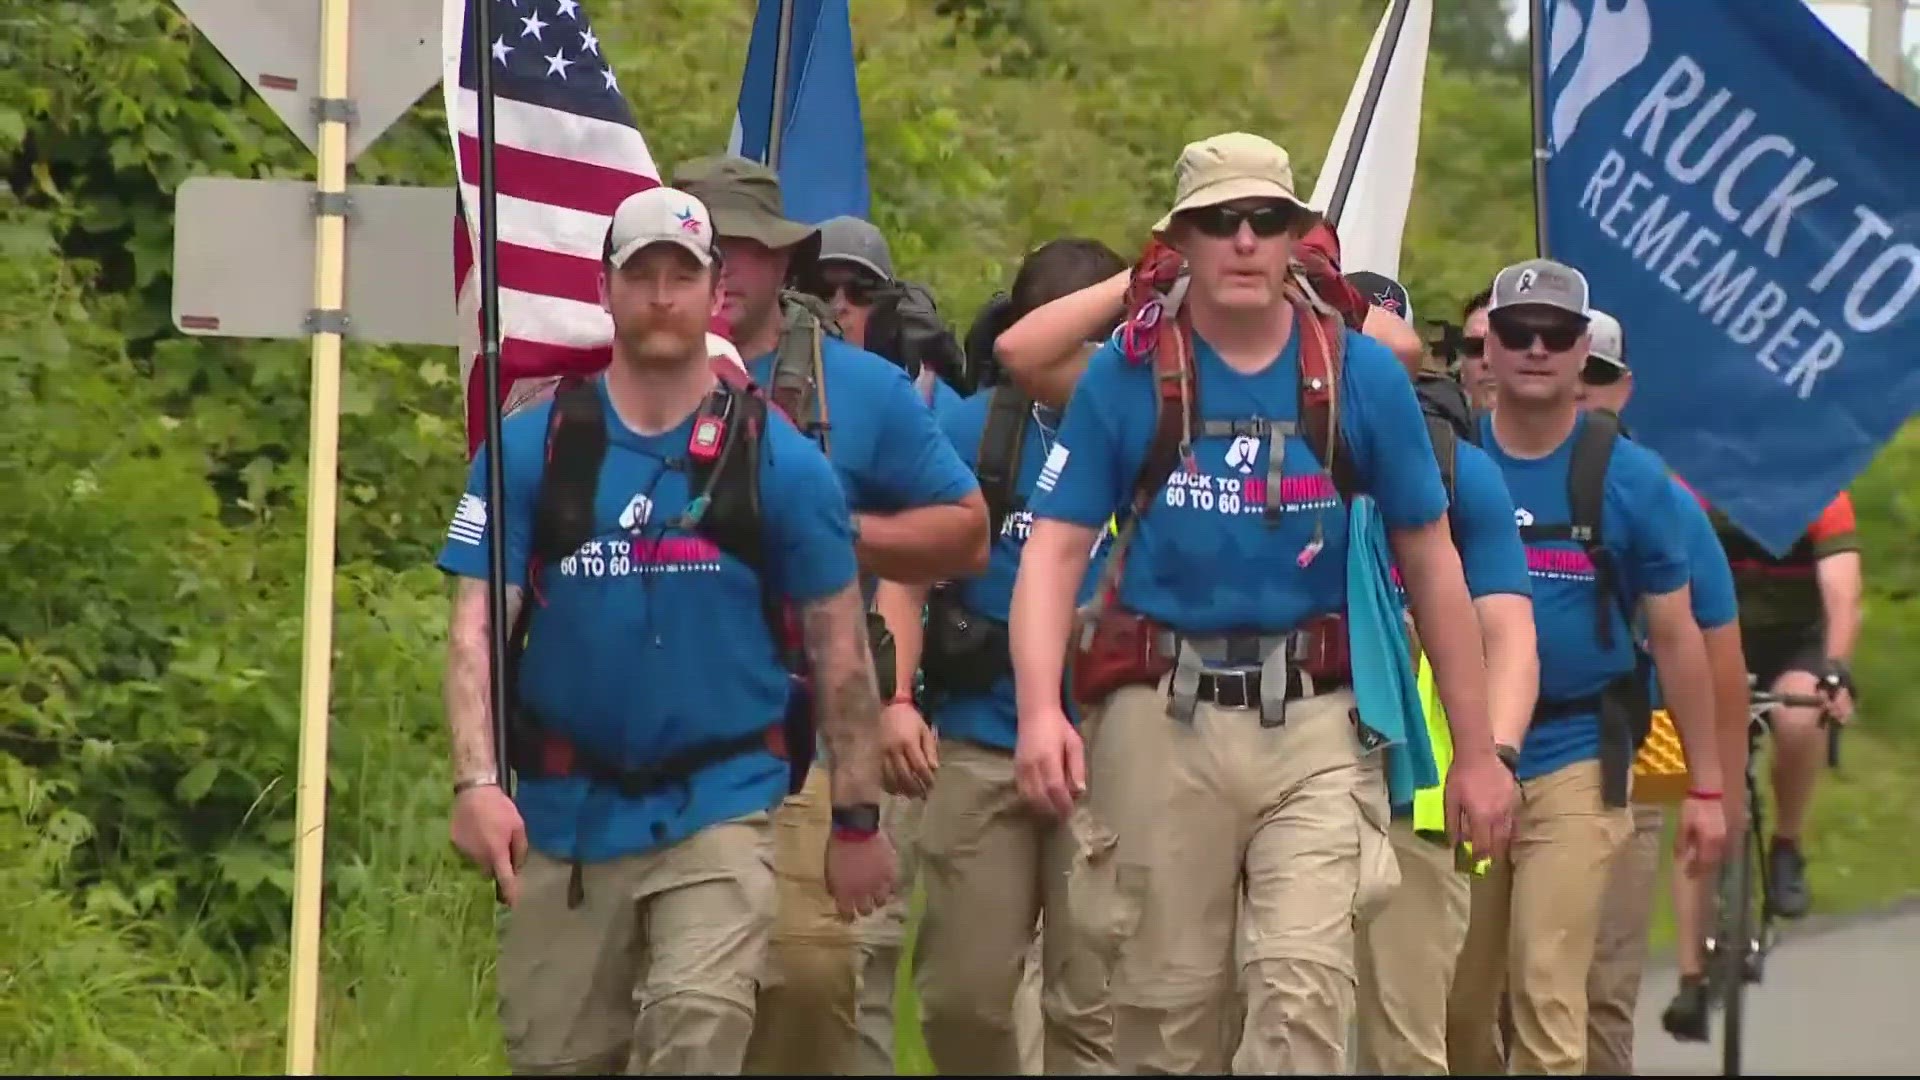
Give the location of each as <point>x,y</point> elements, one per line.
<point>1268,670</point>
<point>1115,647</point>
<point>964,652</point>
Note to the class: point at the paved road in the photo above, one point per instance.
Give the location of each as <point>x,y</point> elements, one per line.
<point>1841,999</point>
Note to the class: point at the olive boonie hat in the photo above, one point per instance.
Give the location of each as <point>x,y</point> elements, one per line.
<point>744,198</point>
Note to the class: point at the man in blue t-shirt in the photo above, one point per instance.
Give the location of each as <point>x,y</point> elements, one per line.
<point>992,867</point>
<point>649,684</point>
<point>1534,917</point>
<point>917,516</point>
<point>1226,763</point>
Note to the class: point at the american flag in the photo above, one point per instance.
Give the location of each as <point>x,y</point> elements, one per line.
<point>567,151</point>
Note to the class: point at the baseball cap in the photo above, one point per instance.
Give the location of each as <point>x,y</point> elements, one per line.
<point>1540,282</point>
<point>1226,167</point>
<point>659,215</point>
<point>852,240</point>
<point>1382,291</point>
<point>1609,343</point>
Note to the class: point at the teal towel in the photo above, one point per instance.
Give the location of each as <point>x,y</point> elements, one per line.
<point>1385,688</point>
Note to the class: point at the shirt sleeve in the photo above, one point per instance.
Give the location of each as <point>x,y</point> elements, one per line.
<point>1490,549</point>
<point>1086,477</point>
<point>465,552</point>
<point>915,465</point>
<point>1649,506</point>
<point>1714,601</point>
<point>1382,423</point>
<point>808,532</point>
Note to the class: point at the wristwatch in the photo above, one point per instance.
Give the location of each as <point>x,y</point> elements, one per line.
<point>1508,756</point>
<point>1837,678</point>
<point>860,820</point>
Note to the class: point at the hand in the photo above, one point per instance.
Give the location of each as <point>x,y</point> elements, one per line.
<point>1479,799</point>
<point>860,872</point>
<point>1050,764</point>
<point>1703,835</point>
<point>487,829</point>
<point>1839,702</point>
<point>909,751</point>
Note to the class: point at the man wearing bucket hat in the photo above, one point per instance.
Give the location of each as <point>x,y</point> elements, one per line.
<point>918,515</point>
<point>1227,769</point>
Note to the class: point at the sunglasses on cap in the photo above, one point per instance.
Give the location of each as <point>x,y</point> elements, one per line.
<point>1599,372</point>
<point>860,287</point>
<point>1516,334</point>
<point>1222,222</point>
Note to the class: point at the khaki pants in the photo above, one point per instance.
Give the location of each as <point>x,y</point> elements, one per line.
<point>653,972</point>
<point>878,939</point>
<point>1406,954</point>
<point>806,1019</point>
<point>991,869</point>
<point>1029,1033</point>
<point>1534,917</point>
<point>1620,949</point>
<point>1291,818</point>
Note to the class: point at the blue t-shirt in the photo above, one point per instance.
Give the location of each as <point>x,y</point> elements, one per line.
<point>1642,529</point>
<point>991,718</point>
<point>1205,559</point>
<point>881,436</point>
<point>649,639</point>
<point>1714,602</point>
<point>1483,528</point>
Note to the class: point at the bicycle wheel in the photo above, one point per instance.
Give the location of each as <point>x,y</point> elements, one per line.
<point>1737,927</point>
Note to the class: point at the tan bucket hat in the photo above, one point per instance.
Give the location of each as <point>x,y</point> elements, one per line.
<point>1226,167</point>
<point>744,198</point>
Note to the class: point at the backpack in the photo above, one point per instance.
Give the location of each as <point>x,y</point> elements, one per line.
<point>723,465</point>
<point>797,375</point>
<point>1450,417</point>
<point>906,328</point>
<point>1003,441</point>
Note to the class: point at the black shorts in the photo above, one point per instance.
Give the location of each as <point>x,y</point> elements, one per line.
<point>1773,654</point>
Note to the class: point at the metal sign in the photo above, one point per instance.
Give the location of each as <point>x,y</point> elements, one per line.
<point>243,262</point>
<point>275,46</point>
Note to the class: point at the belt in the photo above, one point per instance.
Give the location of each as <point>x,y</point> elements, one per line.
<point>1241,689</point>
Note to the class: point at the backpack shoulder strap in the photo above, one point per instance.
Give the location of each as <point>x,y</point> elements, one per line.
<point>797,382</point>
<point>723,466</point>
<point>1322,352</point>
<point>576,447</point>
<point>1002,442</point>
<point>1586,498</point>
<point>1446,453</point>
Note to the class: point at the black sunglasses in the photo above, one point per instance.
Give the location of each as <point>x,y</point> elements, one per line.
<point>1517,334</point>
<point>861,288</point>
<point>1598,372</point>
<point>1267,220</point>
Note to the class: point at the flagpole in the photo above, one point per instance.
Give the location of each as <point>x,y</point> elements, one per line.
<point>323,463</point>
<point>777,116</point>
<point>1369,103</point>
<point>1537,45</point>
<point>490,361</point>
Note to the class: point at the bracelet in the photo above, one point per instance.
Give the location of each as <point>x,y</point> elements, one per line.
<point>477,780</point>
<point>901,697</point>
<point>1697,795</point>
<point>842,832</point>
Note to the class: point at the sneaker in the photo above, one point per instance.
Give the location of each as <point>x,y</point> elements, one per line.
<point>1787,880</point>
<point>1686,1016</point>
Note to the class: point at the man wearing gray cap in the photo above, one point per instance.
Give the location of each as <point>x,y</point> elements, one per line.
<point>1605,539</point>
<point>917,515</point>
<point>853,267</point>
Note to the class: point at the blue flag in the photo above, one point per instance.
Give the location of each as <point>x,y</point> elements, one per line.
<point>823,148</point>
<point>1740,190</point>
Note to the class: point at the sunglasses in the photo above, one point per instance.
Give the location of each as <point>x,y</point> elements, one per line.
<point>1600,373</point>
<point>1515,335</point>
<point>1267,220</point>
<point>861,289</point>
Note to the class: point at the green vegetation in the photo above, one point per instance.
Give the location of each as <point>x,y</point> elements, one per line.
<point>154,510</point>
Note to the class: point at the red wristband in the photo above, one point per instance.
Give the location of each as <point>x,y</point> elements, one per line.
<point>901,697</point>
<point>1703,796</point>
<point>841,832</point>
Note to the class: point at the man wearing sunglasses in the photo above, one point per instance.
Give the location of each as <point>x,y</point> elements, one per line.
<point>1475,373</point>
<point>1236,778</point>
<point>1535,915</point>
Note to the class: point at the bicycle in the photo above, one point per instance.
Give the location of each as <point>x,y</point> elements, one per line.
<point>1736,919</point>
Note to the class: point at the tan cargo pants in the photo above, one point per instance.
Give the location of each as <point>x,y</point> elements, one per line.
<point>1406,954</point>
<point>991,868</point>
<point>806,1019</point>
<point>1292,818</point>
<point>653,972</point>
<point>1620,950</point>
<point>878,939</point>
<point>1531,934</point>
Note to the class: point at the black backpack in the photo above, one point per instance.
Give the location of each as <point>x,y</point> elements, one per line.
<point>906,328</point>
<point>1450,417</point>
<point>1003,440</point>
<point>723,467</point>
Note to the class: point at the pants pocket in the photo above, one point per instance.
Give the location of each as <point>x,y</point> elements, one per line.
<point>1379,867</point>
<point>1103,897</point>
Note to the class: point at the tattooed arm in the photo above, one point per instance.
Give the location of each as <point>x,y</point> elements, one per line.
<point>846,704</point>
<point>468,689</point>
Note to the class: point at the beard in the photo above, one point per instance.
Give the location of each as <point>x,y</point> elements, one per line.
<point>659,343</point>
